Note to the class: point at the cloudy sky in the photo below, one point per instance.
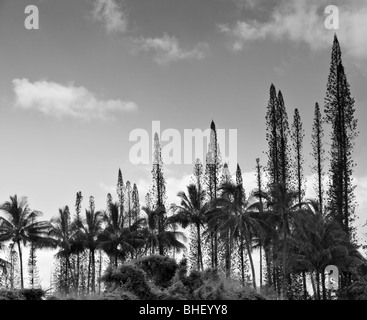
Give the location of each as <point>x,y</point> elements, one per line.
<point>73,91</point>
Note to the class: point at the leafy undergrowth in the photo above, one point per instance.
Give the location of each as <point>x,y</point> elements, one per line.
<point>24,294</point>
<point>161,278</point>
<point>129,282</point>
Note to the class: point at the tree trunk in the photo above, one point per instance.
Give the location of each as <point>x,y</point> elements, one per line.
<point>116,258</point>
<point>324,296</point>
<point>261,267</point>
<point>268,266</point>
<point>89,272</point>
<point>77,271</point>
<point>21,265</point>
<point>242,262</point>
<point>318,285</point>
<point>200,258</point>
<point>66,289</point>
<point>313,284</point>
<point>285,269</point>
<point>100,271</point>
<point>250,257</point>
<point>304,285</point>
<point>93,272</point>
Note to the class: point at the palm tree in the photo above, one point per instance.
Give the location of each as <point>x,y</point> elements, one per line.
<point>234,215</point>
<point>282,204</point>
<point>21,227</point>
<point>162,232</point>
<point>64,235</point>
<point>192,211</point>
<point>319,242</point>
<point>117,240</point>
<point>90,230</point>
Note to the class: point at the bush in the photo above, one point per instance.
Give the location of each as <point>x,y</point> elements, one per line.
<point>194,280</point>
<point>11,295</point>
<point>356,291</point>
<point>130,278</point>
<point>23,294</point>
<point>158,268</point>
<point>33,294</point>
<point>177,291</point>
<point>225,290</point>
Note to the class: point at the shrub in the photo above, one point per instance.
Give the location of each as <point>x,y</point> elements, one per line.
<point>33,294</point>
<point>158,268</point>
<point>11,295</point>
<point>23,294</point>
<point>193,281</point>
<point>130,278</point>
<point>177,291</point>
<point>356,291</point>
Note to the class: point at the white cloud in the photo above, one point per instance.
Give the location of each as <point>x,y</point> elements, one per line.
<point>111,15</point>
<point>62,101</point>
<point>167,49</point>
<point>303,21</point>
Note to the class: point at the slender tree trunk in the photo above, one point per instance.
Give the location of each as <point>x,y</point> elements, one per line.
<point>242,261</point>
<point>77,272</point>
<point>66,274</point>
<point>268,266</point>
<point>261,267</point>
<point>304,285</point>
<point>250,257</point>
<point>100,271</point>
<point>200,258</point>
<point>285,267</point>
<point>318,285</point>
<point>212,249</point>
<point>324,296</point>
<point>313,284</point>
<point>93,272</point>
<point>228,257</point>
<point>215,248</point>
<point>89,272</point>
<point>21,265</point>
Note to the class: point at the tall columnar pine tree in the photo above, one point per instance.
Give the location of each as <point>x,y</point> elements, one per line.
<point>109,201</point>
<point>241,247</point>
<point>78,205</point>
<point>33,272</point>
<point>148,201</point>
<point>298,160</point>
<point>260,190</point>
<point>159,188</point>
<point>283,149</point>
<point>77,219</point>
<point>278,161</point>
<point>198,175</point>
<point>226,175</point>
<point>135,204</point>
<point>128,203</point>
<point>225,245</point>
<point>212,175</point>
<point>318,155</point>
<point>299,183</point>
<point>339,113</point>
<point>272,116</point>
<point>195,261</point>
<point>120,190</point>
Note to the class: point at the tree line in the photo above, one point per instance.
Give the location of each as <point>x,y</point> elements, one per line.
<point>295,238</point>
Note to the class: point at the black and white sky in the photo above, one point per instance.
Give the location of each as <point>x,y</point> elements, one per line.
<point>73,91</point>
